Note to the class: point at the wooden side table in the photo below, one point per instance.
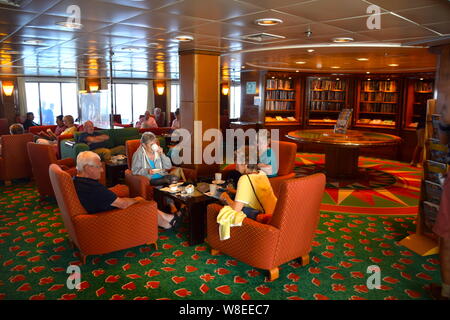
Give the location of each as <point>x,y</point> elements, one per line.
<point>115,172</point>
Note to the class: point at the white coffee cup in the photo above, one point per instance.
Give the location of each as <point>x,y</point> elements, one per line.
<point>218,177</point>
<point>173,187</point>
<point>212,188</point>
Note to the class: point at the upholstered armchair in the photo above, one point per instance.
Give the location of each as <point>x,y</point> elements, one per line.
<point>41,157</point>
<point>286,160</point>
<point>107,231</point>
<point>14,161</point>
<point>140,185</point>
<point>287,236</point>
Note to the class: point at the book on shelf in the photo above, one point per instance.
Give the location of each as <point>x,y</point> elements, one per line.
<point>374,85</point>
<point>433,192</point>
<point>430,211</point>
<point>280,95</point>
<point>328,85</point>
<point>423,86</point>
<point>281,84</point>
<point>279,105</point>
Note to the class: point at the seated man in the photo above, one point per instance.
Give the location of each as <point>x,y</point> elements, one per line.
<point>149,121</point>
<point>29,122</point>
<point>95,197</point>
<point>97,142</point>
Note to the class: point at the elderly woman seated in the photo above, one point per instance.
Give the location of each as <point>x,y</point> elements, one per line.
<point>150,161</point>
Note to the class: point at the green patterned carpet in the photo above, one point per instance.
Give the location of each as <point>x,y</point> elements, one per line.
<point>35,253</point>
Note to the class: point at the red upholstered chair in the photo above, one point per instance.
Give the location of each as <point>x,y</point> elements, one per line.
<point>14,161</point>
<point>107,231</point>
<point>289,234</point>
<point>4,128</point>
<point>140,185</point>
<point>41,157</point>
<point>286,152</point>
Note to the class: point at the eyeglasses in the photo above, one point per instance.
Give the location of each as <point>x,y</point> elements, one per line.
<point>95,166</point>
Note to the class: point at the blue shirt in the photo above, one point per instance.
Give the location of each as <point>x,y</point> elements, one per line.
<point>269,157</point>
<point>153,166</point>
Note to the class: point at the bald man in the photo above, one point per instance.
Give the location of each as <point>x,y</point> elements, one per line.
<point>97,142</point>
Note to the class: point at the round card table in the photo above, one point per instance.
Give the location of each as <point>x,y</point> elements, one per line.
<point>342,149</point>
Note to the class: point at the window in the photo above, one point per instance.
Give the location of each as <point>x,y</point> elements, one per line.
<point>130,100</point>
<point>174,96</point>
<point>49,99</point>
<point>235,100</point>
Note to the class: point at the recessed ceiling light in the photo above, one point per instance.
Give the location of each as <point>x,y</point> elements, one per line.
<point>367,72</point>
<point>368,79</point>
<point>337,79</point>
<point>300,62</point>
<point>393,65</point>
<point>131,49</point>
<point>32,41</point>
<point>243,67</point>
<point>184,38</point>
<point>268,21</point>
<point>362,59</point>
<point>342,39</point>
<point>297,70</point>
<point>335,67</point>
<point>421,79</point>
<point>310,50</point>
<point>69,25</point>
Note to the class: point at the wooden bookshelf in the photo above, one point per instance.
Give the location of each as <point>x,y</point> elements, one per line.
<point>378,103</point>
<point>282,98</point>
<point>418,91</point>
<point>326,97</point>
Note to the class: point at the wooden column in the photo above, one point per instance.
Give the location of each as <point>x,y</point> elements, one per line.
<point>199,99</point>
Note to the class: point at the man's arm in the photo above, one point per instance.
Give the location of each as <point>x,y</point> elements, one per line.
<point>94,139</point>
<point>123,203</point>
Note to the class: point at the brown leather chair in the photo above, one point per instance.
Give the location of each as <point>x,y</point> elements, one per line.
<point>287,152</point>
<point>107,231</point>
<point>140,185</point>
<point>289,234</point>
<point>14,160</point>
<point>41,157</point>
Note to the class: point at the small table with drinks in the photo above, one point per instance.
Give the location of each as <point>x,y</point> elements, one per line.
<point>196,204</point>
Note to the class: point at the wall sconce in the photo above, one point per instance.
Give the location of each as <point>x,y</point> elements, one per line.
<point>8,88</point>
<point>225,89</point>
<point>93,86</point>
<point>160,88</point>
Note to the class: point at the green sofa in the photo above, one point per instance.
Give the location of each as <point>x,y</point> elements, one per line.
<point>117,138</point>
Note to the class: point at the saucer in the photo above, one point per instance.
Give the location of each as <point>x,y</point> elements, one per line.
<point>173,191</point>
<point>218,181</point>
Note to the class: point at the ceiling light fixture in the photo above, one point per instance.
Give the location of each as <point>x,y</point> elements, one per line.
<point>268,21</point>
<point>32,41</point>
<point>362,59</point>
<point>300,62</point>
<point>335,67</point>
<point>69,25</point>
<point>184,38</point>
<point>131,49</point>
<point>367,72</point>
<point>310,50</point>
<point>343,39</point>
<point>393,65</point>
<point>8,88</point>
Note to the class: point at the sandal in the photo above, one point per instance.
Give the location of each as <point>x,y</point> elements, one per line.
<point>175,222</point>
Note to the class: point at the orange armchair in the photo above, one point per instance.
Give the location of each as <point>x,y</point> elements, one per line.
<point>140,185</point>
<point>289,234</point>
<point>41,157</point>
<point>107,231</point>
<point>286,160</point>
<point>14,161</point>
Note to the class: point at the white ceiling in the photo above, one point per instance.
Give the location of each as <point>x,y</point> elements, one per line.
<point>217,25</point>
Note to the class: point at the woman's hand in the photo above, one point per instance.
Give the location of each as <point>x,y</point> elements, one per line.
<point>150,171</point>
<point>226,198</point>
